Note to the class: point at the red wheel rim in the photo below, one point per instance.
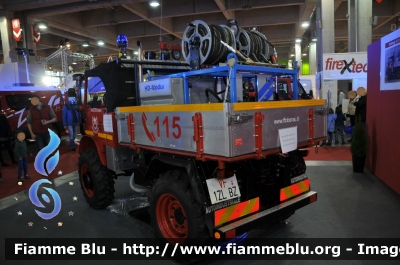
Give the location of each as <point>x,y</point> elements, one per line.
<point>85,177</point>
<point>171,218</point>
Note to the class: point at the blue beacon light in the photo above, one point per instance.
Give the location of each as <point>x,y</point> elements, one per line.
<point>122,44</point>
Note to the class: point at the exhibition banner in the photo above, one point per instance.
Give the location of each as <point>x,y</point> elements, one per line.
<point>390,61</point>
<point>344,66</point>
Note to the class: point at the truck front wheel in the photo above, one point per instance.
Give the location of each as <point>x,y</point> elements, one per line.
<point>96,183</point>
<point>175,214</point>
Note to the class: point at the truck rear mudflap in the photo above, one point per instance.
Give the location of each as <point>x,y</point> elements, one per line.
<point>252,221</point>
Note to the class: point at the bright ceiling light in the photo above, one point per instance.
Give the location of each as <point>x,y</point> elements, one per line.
<point>42,25</point>
<point>135,52</point>
<point>74,62</point>
<point>298,40</point>
<point>85,44</point>
<point>292,55</point>
<point>305,24</point>
<point>100,42</point>
<point>304,54</point>
<point>314,39</point>
<point>67,43</point>
<point>154,3</point>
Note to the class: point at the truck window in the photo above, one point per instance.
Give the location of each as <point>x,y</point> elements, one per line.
<point>283,90</point>
<point>95,92</point>
<point>18,101</point>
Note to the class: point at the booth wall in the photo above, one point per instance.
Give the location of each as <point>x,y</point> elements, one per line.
<point>383,125</point>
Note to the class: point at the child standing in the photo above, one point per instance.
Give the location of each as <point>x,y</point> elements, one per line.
<point>331,127</point>
<point>21,153</point>
<point>339,124</point>
<point>71,117</point>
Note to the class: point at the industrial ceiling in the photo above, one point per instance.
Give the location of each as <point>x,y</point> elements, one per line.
<point>279,20</point>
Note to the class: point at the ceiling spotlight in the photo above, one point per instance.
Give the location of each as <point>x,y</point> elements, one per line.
<point>305,24</point>
<point>304,54</point>
<point>85,44</point>
<point>42,25</point>
<point>61,44</point>
<point>298,40</point>
<point>67,44</point>
<point>73,62</point>
<point>100,42</point>
<point>292,55</point>
<point>135,52</point>
<point>154,3</point>
<point>314,39</point>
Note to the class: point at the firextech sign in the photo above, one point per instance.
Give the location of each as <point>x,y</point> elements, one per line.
<point>344,65</point>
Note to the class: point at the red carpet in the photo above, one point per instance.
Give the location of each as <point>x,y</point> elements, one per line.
<point>9,185</point>
<point>330,153</point>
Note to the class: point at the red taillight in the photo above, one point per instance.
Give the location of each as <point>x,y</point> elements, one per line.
<point>230,234</point>
<point>313,198</point>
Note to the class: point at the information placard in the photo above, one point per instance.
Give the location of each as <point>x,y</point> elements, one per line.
<point>288,139</point>
<point>107,123</point>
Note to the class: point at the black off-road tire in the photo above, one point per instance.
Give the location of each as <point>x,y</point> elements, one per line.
<point>175,185</point>
<point>96,183</point>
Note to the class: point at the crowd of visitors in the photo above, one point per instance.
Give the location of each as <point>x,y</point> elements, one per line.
<point>39,119</point>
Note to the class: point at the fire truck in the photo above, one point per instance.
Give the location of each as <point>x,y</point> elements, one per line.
<point>216,159</point>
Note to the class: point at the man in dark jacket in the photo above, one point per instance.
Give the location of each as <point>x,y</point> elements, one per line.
<point>361,105</point>
<point>40,117</point>
<point>71,117</point>
<point>5,139</point>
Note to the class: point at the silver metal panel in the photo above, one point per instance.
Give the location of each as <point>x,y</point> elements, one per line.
<point>264,213</point>
<point>199,86</point>
<point>239,87</point>
<point>166,91</point>
<point>320,121</point>
<point>215,130</point>
<point>275,119</point>
<point>120,158</point>
<point>243,140</point>
<point>123,134</point>
<point>221,136</point>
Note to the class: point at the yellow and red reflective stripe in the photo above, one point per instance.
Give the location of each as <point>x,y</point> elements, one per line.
<point>236,211</point>
<point>102,135</point>
<point>295,189</point>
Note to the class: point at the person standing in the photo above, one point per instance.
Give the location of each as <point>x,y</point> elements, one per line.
<point>21,152</point>
<point>5,139</point>
<point>339,124</point>
<point>361,105</point>
<point>40,117</point>
<point>71,117</point>
<point>341,96</point>
<point>331,127</point>
<point>351,109</point>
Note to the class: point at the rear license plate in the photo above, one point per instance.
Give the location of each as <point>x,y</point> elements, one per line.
<point>222,190</point>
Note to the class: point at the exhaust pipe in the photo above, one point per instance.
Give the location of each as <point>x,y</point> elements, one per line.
<point>135,187</point>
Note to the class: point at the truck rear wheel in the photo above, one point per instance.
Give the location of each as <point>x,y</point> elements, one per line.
<point>96,183</point>
<point>175,214</point>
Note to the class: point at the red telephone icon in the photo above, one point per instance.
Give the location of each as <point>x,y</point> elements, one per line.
<point>149,134</point>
